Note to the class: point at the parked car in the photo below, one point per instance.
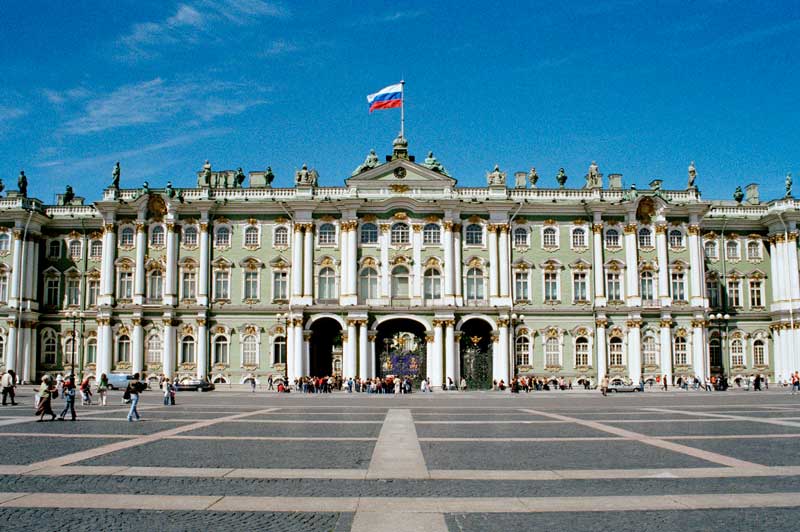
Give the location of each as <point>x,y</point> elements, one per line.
<point>619,386</point>
<point>118,381</point>
<point>195,385</point>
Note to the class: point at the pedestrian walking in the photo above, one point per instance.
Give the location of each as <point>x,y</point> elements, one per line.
<point>253,385</point>
<point>270,383</point>
<point>47,392</point>
<point>132,393</point>
<point>173,392</point>
<point>167,387</point>
<point>86,392</point>
<point>795,384</point>
<point>8,381</point>
<point>69,398</point>
<point>604,386</point>
<point>102,389</point>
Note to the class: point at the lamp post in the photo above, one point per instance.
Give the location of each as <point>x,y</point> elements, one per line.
<point>74,315</point>
<point>721,320</point>
<point>283,318</point>
<point>515,320</point>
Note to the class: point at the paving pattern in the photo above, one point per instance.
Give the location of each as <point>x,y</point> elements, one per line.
<point>231,460</point>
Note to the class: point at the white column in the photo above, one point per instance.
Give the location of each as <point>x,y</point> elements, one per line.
<point>31,273</point>
<point>632,297</point>
<point>777,282</point>
<point>663,265</point>
<point>435,370</point>
<point>298,346</point>
<point>105,346</point>
<point>363,350</point>
<point>171,275</point>
<point>430,349</point>
<point>385,290</point>
<point>168,357</point>
<point>457,357</point>
<point>449,352</point>
<point>371,362</point>
<point>416,246</point>
<point>352,268</point>
<point>696,266</point>
<point>28,338</point>
<point>350,357</point>
<point>792,269</point>
<point>602,357</point>
<point>292,371</point>
<point>138,276</point>
<point>202,348</point>
<point>449,253</point>
<point>598,269</point>
<point>635,350</point>
<point>107,265</point>
<point>344,266</point>
<point>666,349</point>
<point>297,263</point>
<point>11,347</point>
<point>505,267</point>
<point>307,353</point>
<point>457,276</point>
<point>205,264</point>
<point>308,263</point>
<point>16,270</point>
<point>502,352</point>
<point>494,263</point>
<point>699,349</point>
<point>137,346</point>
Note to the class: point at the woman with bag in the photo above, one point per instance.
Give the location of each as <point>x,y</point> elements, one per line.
<point>47,392</point>
<point>102,389</point>
<point>69,398</point>
<point>132,391</point>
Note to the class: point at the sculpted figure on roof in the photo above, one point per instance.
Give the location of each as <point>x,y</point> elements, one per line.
<point>369,163</point>
<point>496,177</point>
<point>432,163</point>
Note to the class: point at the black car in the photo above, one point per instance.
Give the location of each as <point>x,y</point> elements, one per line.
<point>195,385</point>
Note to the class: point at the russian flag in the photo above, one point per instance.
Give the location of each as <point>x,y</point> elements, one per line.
<point>386,98</point>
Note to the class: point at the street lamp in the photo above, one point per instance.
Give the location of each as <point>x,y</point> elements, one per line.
<point>74,315</point>
<point>283,317</point>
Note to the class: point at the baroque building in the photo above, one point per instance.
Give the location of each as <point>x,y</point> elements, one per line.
<point>235,279</point>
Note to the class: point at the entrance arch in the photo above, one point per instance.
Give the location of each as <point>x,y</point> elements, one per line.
<point>325,347</point>
<point>400,347</point>
<point>476,351</point>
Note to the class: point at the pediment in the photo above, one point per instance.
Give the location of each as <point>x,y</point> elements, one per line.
<point>400,172</point>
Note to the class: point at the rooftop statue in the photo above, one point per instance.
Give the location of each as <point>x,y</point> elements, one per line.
<point>115,176</point>
<point>632,194</point>
<point>69,195</point>
<point>22,184</point>
<point>238,179</point>
<point>205,175</point>
<point>145,188</point>
<point>692,175</point>
<point>307,177</point>
<point>369,163</point>
<point>789,185</point>
<point>533,177</point>
<point>561,178</point>
<point>738,195</point>
<point>170,190</point>
<point>496,177</point>
<point>594,179</point>
<point>269,177</point>
<point>432,163</point>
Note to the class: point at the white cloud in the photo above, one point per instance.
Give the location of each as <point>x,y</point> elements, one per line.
<point>385,18</point>
<point>279,47</point>
<point>11,113</point>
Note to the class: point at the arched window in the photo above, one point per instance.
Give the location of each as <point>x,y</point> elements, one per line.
<point>251,236</point>
<point>549,239</point>
<point>521,237</point>
<point>753,250</point>
<point>49,348</point>
<point>187,350</point>
<point>96,250</point>
<point>327,234</point>
<point>615,352</point>
<point>155,285</point>
<point>368,280</point>
<point>645,238</point>
<point>646,281</point>
<point>75,248</point>
<point>400,234</point>
<point>710,248</point>
<point>715,353</point>
<point>279,350</point>
<point>649,352</point>
<point>759,353</point>
<point>281,236</point>
<point>249,351</point>
<point>582,351</point>
<point>732,250</point>
<point>679,351</point>
<point>221,350</point>
<point>369,233</point>
<point>737,352</point>
<point>400,282</point>
<point>612,238</point>
<point>475,284</point>
<point>675,239</point>
<point>522,349</point>
<point>431,234</point>
<point>154,349</point>
<point>126,237</point>
<point>474,235</point>
<point>124,348</point>
<point>157,236</point>
<point>552,352</point>
<point>433,284</point>
<point>190,235</point>
<point>579,238</point>
<point>222,237</point>
<point>327,284</point>
<point>91,351</point>
<point>5,242</point>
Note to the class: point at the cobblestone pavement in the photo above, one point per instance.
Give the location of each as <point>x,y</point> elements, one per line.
<point>232,460</point>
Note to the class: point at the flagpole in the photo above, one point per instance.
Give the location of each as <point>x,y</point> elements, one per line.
<point>402,109</point>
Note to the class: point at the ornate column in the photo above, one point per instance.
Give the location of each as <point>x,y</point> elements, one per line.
<point>202,348</point>
<point>502,351</point>
<point>494,263</point>
<point>457,356</point>
<point>105,346</point>
<point>349,367</point>
<point>27,337</point>
<point>602,357</point>
<point>385,274</point>
<point>699,348</point>
<point>449,258</point>
<point>449,351</point>
<point>352,269</point>
<point>504,263</point>
<point>792,267</point>
<point>435,369</point>
<point>205,263</point>
<point>308,263</point>
<point>634,349</point>
<point>292,370</point>
<point>631,267</point>
<point>696,265</point>
<point>297,343</point>
<point>168,358</point>
<point>107,264</point>
<point>416,245</point>
<point>363,350</point>
<point>137,346</point>
<point>16,271</point>
<point>31,272</point>
<point>597,266</point>
<point>344,265</point>
<point>170,277</point>
<point>457,261</point>
<point>306,370</point>
<point>11,346</point>
<point>138,280</point>
<point>777,282</point>
<point>663,265</point>
<point>666,348</point>
<point>297,262</point>
<point>371,336</point>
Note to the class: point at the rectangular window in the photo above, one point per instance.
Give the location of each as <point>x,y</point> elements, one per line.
<point>251,285</point>
<point>155,286</point>
<point>222,284</point>
<point>51,292</point>
<point>678,287</point>
<point>73,292</point>
<point>581,352</point>
<point>579,292</point>
<point>125,286</point>
<point>3,288</point>
<point>734,297</point>
<point>189,285</point>
<point>550,286</point>
<point>521,286</point>
<point>712,288</point>
<point>613,287</point>
<point>92,292</point>
<point>756,299</point>
<point>280,286</point>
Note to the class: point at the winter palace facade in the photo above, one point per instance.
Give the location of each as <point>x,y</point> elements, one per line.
<point>235,279</point>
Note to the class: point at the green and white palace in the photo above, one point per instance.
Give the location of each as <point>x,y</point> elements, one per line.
<point>235,279</point>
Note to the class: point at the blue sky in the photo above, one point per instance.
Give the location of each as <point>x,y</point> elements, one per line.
<point>641,87</point>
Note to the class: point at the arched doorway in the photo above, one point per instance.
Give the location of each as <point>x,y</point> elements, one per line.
<point>325,348</point>
<point>400,349</point>
<point>476,353</point>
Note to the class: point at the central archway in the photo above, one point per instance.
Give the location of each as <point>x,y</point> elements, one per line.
<point>400,348</point>
<point>476,353</point>
<point>325,348</point>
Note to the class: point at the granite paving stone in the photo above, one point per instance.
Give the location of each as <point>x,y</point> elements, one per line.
<point>27,450</point>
